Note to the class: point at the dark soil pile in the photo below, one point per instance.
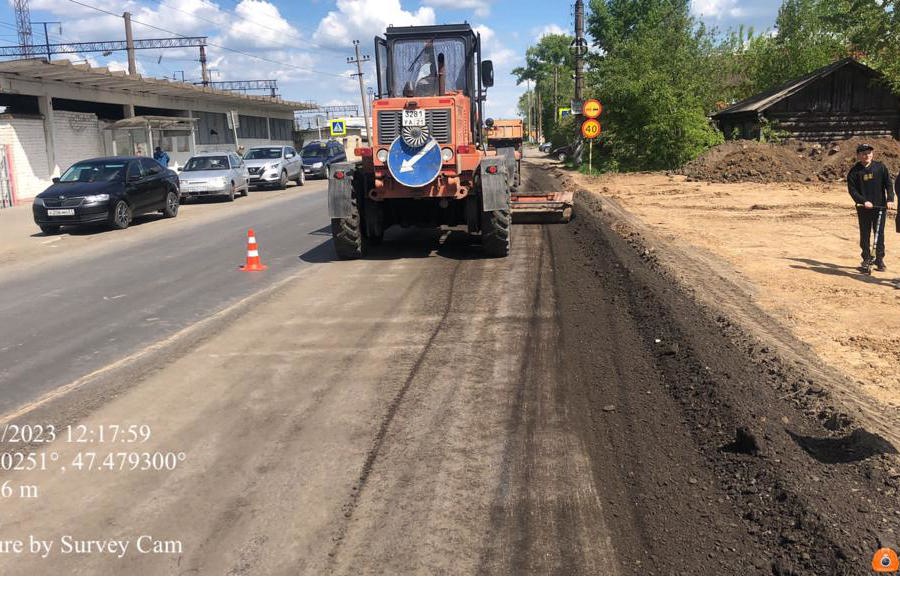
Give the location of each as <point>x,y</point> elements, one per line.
<point>789,161</point>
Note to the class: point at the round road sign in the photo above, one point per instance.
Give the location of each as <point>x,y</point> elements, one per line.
<point>414,167</point>
<point>590,128</point>
<point>592,108</point>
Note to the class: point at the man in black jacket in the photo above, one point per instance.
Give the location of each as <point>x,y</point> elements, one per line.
<point>869,184</point>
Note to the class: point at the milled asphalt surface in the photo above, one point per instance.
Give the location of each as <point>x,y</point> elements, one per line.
<point>64,320</point>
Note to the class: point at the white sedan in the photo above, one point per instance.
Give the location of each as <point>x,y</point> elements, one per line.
<point>221,175</point>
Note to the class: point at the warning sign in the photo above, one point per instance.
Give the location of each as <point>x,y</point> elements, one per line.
<point>592,108</point>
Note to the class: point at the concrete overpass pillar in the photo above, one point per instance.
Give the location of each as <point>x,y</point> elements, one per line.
<point>45,105</point>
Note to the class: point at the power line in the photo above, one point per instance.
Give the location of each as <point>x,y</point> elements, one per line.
<point>269,60</point>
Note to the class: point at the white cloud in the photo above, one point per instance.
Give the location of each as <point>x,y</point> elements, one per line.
<point>492,48</point>
<point>504,96</point>
<point>364,19</point>
<point>717,9</point>
<point>552,28</point>
<point>246,32</point>
<point>482,8</point>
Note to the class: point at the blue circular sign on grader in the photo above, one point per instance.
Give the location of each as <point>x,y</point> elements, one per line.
<point>414,167</point>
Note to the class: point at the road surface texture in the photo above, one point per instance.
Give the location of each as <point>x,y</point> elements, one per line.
<point>566,410</point>
<point>108,294</point>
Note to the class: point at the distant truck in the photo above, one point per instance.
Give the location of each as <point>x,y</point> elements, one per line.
<point>505,136</point>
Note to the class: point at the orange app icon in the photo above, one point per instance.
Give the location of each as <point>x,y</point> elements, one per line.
<point>885,561</point>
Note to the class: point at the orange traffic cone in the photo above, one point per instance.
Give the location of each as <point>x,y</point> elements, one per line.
<point>253,263</point>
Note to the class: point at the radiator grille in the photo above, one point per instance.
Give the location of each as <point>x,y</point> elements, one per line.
<point>72,202</point>
<point>437,121</point>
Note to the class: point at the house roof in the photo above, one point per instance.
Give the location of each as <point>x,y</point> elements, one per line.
<point>760,102</point>
<point>102,79</point>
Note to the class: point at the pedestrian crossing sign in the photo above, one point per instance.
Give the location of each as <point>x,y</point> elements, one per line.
<point>338,127</point>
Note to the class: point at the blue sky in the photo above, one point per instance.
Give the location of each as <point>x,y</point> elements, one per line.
<point>304,44</point>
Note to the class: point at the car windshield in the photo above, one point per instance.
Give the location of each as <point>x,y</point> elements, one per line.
<point>262,153</point>
<point>89,172</point>
<point>206,163</point>
<point>418,62</point>
<point>314,152</point>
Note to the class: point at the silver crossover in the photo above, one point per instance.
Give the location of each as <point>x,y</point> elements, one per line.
<point>223,174</point>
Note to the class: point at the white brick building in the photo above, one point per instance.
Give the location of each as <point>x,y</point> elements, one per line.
<point>57,113</point>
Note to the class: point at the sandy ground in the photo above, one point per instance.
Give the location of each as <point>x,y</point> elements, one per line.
<point>795,246</point>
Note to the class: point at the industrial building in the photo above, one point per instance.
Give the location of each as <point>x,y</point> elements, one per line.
<point>54,113</point>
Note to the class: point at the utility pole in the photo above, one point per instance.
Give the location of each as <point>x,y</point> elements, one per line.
<point>129,45</point>
<point>204,73</point>
<point>580,45</point>
<point>556,93</point>
<point>580,49</point>
<point>527,114</point>
<point>359,60</point>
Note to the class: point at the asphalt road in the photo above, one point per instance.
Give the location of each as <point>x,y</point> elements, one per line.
<point>62,321</point>
<point>564,410</point>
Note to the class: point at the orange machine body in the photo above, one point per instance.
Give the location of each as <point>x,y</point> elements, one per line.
<point>457,174</point>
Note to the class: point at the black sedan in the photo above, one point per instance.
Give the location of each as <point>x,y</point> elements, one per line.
<point>107,190</point>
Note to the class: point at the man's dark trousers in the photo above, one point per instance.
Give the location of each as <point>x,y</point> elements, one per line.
<point>869,222</point>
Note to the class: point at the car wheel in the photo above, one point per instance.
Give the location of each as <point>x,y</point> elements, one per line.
<point>283,180</point>
<point>229,196</point>
<point>301,179</point>
<point>120,216</point>
<point>561,156</point>
<point>172,203</point>
<point>246,190</point>
<point>49,229</point>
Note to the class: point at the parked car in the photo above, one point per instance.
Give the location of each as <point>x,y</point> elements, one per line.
<point>317,156</point>
<point>564,153</point>
<point>220,174</point>
<point>112,190</point>
<point>545,147</point>
<point>274,166</point>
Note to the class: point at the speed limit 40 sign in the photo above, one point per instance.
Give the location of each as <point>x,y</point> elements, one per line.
<point>590,128</point>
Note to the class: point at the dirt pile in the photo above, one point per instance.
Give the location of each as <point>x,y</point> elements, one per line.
<point>786,162</point>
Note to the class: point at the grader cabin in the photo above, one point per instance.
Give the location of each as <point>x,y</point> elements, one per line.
<point>842,100</point>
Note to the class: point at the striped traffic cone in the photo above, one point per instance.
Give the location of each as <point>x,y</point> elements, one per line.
<point>253,263</point>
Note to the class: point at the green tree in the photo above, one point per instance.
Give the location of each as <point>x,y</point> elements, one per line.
<point>551,66</point>
<point>804,41</point>
<point>653,74</point>
<point>870,30</point>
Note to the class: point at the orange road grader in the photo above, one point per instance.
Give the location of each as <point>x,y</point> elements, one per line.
<point>428,163</point>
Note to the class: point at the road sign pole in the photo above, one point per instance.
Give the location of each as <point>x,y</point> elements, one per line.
<point>590,156</point>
